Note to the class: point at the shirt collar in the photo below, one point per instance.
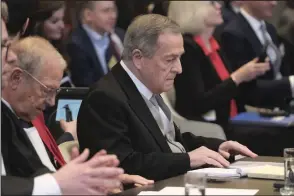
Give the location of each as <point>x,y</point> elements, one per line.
<point>254,23</point>
<point>140,86</point>
<point>213,43</point>
<point>94,35</point>
<point>8,105</point>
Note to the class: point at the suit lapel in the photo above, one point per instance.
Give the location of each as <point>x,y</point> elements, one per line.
<point>251,36</point>
<point>90,49</point>
<point>139,106</point>
<point>27,162</point>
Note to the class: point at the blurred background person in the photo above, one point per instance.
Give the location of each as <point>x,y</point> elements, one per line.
<point>285,29</point>
<point>248,36</point>
<point>96,44</point>
<point>47,21</point>
<point>230,10</point>
<point>207,83</point>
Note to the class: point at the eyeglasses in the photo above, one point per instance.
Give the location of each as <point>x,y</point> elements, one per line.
<point>7,46</point>
<point>49,92</point>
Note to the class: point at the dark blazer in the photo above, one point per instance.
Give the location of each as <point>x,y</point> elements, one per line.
<point>84,63</point>
<point>115,117</point>
<point>240,45</point>
<point>19,156</point>
<point>228,14</point>
<point>11,185</point>
<point>199,88</point>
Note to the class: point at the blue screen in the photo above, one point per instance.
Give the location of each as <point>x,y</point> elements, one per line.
<point>73,105</point>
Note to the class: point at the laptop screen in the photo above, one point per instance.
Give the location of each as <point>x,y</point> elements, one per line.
<point>68,103</point>
<point>67,109</point>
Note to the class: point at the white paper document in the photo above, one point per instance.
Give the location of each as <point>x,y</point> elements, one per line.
<point>148,193</point>
<point>220,172</point>
<point>208,191</point>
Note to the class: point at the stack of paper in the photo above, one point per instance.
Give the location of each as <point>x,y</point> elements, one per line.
<point>220,172</point>
<point>264,170</point>
<point>193,191</point>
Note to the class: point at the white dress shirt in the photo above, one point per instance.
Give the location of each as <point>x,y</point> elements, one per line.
<point>44,184</point>
<point>147,94</point>
<point>255,25</point>
<point>165,124</point>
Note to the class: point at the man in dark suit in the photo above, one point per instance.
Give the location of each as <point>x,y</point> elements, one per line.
<point>125,114</point>
<point>230,10</point>
<point>249,36</point>
<point>24,170</point>
<point>96,45</point>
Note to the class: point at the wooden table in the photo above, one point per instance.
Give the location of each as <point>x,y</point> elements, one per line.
<point>265,186</point>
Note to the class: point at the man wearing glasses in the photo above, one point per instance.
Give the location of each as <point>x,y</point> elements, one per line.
<point>26,89</point>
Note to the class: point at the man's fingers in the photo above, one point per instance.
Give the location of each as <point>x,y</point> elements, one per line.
<point>244,150</point>
<point>140,180</point>
<point>216,156</point>
<point>101,152</point>
<point>83,157</point>
<point>105,184</point>
<point>106,172</point>
<point>225,154</point>
<point>74,152</point>
<point>213,162</point>
<point>103,160</point>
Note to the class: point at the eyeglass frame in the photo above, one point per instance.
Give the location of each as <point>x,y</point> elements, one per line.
<point>50,91</point>
<point>7,46</point>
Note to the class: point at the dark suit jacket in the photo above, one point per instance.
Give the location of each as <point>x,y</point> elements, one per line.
<point>84,63</point>
<point>115,117</point>
<point>11,185</point>
<point>228,14</point>
<point>240,45</point>
<point>19,156</point>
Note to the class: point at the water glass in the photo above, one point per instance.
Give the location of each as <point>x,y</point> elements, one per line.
<point>289,172</point>
<point>196,182</point>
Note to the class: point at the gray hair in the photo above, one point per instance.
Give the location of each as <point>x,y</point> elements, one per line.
<point>143,34</point>
<point>190,15</point>
<point>33,53</point>
<point>4,11</point>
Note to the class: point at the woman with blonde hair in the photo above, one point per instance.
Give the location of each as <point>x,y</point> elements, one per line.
<point>207,90</point>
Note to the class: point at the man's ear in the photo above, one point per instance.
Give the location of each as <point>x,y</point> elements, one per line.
<point>137,58</point>
<point>15,78</point>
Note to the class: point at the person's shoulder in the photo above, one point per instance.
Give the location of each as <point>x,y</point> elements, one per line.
<point>77,35</point>
<point>235,25</point>
<point>106,86</point>
<point>190,44</point>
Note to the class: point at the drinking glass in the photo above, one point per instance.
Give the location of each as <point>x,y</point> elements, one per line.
<point>288,189</point>
<point>196,182</point>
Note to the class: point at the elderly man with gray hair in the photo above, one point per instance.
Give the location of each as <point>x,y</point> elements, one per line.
<point>125,114</point>
<point>32,83</point>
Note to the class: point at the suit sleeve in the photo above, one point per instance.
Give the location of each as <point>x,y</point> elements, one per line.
<point>80,66</point>
<point>40,185</point>
<point>65,137</point>
<point>11,185</point>
<point>103,124</point>
<point>235,50</point>
<point>192,94</point>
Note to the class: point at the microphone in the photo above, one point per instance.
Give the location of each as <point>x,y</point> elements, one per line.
<point>68,113</point>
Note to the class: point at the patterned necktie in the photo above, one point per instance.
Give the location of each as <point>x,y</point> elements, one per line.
<point>268,44</point>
